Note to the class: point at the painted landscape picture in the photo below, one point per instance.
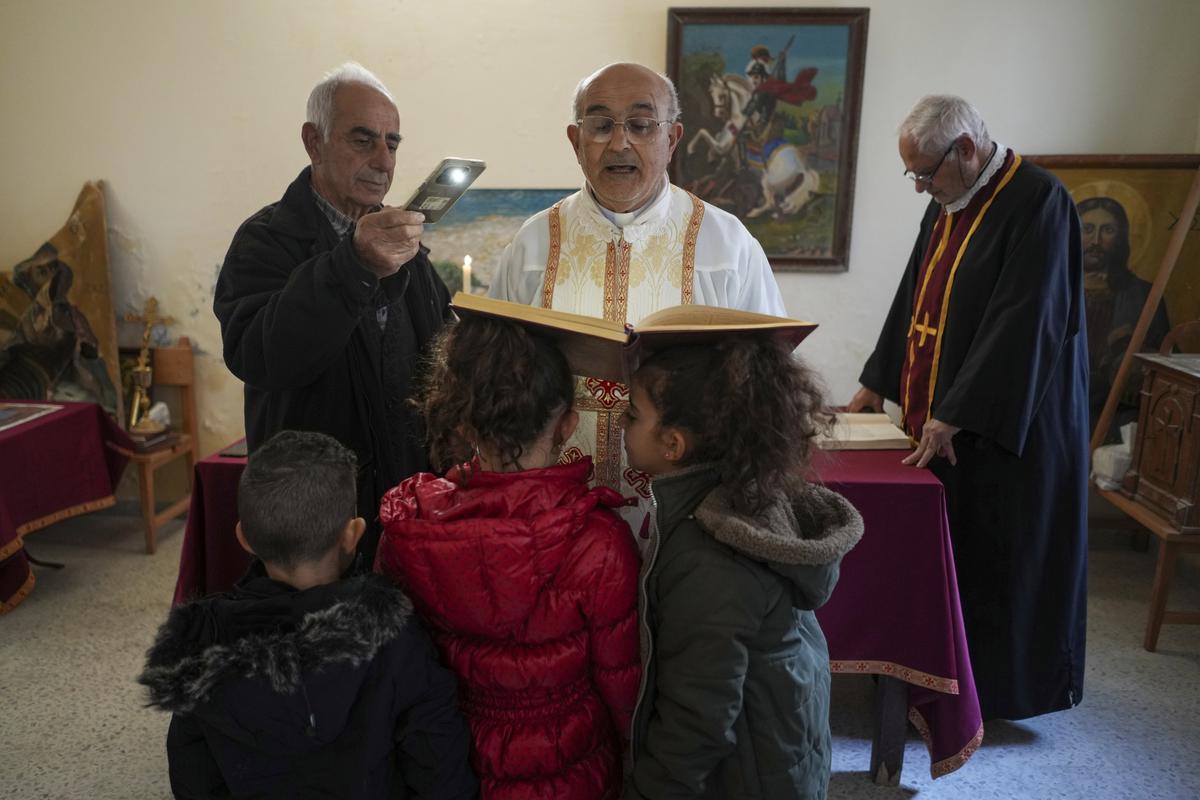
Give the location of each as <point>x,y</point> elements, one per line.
<point>481,225</point>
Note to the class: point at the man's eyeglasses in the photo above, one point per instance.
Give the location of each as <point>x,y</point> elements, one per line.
<point>926,177</point>
<point>637,129</point>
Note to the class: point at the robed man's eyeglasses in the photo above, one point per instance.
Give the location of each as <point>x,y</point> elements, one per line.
<point>637,129</point>
<point>926,177</point>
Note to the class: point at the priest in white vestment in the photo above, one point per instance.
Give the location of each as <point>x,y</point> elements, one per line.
<point>627,244</point>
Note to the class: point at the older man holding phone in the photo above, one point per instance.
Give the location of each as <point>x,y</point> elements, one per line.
<point>326,298</point>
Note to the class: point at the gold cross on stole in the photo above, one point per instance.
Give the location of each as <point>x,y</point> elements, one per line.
<point>925,330</point>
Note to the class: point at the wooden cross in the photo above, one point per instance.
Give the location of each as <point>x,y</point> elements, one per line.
<point>925,330</point>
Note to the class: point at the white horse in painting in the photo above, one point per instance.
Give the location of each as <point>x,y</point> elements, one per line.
<point>787,182</point>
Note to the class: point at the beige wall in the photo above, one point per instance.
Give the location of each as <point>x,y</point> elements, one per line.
<point>191,111</point>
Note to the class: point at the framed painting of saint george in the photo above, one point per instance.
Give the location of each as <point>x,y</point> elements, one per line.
<point>771,101</point>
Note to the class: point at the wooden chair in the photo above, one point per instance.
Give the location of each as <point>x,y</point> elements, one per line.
<point>1171,542</point>
<point>173,366</point>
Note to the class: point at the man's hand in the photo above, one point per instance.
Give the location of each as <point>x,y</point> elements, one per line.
<point>865,398</point>
<point>935,441</point>
<point>386,240</point>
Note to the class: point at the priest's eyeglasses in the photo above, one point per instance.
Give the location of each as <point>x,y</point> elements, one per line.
<point>639,130</point>
<point>927,177</point>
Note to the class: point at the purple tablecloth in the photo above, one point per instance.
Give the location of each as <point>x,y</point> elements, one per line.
<point>211,559</point>
<point>51,468</point>
<point>895,610</point>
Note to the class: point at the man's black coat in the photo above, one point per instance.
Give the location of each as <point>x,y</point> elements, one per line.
<point>293,303</point>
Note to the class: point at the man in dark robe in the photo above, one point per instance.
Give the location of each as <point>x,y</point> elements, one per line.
<point>327,299</point>
<point>985,351</point>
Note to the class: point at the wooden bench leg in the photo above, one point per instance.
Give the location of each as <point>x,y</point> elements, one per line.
<point>887,740</point>
<point>1165,569</point>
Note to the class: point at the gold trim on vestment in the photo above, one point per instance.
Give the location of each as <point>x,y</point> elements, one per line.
<point>607,462</point>
<point>937,342</point>
<point>687,279</point>
<point>615,307</point>
<point>590,403</point>
<point>912,355</point>
<point>551,273</point>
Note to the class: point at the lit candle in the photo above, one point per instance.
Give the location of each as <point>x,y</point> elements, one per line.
<point>467,274</point>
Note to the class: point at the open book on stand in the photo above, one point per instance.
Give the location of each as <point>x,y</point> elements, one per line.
<point>864,432</point>
<point>601,348</point>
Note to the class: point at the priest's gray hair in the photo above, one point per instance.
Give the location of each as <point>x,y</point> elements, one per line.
<point>938,119</point>
<point>320,100</point>
<point>581,90</point>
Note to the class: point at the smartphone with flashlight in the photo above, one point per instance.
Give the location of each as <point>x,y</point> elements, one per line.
<point>448,182</point>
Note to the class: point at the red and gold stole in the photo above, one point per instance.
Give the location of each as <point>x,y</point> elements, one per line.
<point>947,243</point>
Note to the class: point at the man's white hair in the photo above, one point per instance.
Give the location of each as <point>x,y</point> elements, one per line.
<point>581,90</point>
<point>938,119</point>
<point>320,100</point>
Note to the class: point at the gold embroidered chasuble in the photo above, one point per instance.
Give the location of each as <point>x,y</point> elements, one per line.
<point>621,274</point>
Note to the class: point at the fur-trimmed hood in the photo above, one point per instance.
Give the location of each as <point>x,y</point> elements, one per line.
<point>292,657</point>
<point>802,537</point>
<point>814,526</point>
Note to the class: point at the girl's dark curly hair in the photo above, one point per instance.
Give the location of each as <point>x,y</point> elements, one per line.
<point>745,404</point>
<point>493,384</point>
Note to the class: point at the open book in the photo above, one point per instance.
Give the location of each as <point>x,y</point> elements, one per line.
<point>601,348</point>
<point>864,432</point>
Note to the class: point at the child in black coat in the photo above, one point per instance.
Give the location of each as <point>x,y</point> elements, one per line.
<point>305,680</point>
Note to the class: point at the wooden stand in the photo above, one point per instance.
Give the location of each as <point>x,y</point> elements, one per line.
<point>1171,542</point>
<point>1160,491</point>
<point>173,366</point>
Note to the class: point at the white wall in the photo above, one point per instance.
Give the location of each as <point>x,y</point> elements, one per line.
<point>191,113</point>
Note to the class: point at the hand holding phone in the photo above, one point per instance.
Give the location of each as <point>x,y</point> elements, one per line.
<point>448,182</point>
<point>387,239</point>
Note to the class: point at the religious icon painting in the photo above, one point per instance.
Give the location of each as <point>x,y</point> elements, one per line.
<point>466,244</point>
<point>1129,206</point>
<point>771,100</point>
<point>58,334</point>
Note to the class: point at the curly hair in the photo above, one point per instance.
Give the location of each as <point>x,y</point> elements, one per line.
<point>747,405</point>
<point>491,383</point>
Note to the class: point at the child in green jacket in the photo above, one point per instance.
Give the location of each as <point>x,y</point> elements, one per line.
<point>735,694</point>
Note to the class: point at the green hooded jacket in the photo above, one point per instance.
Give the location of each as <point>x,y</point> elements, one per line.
<point>735,695</point>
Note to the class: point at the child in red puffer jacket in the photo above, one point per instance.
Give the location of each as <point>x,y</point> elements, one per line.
<point>525,576</point>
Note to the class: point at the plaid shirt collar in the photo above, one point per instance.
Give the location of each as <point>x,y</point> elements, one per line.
<point>340,222</point>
